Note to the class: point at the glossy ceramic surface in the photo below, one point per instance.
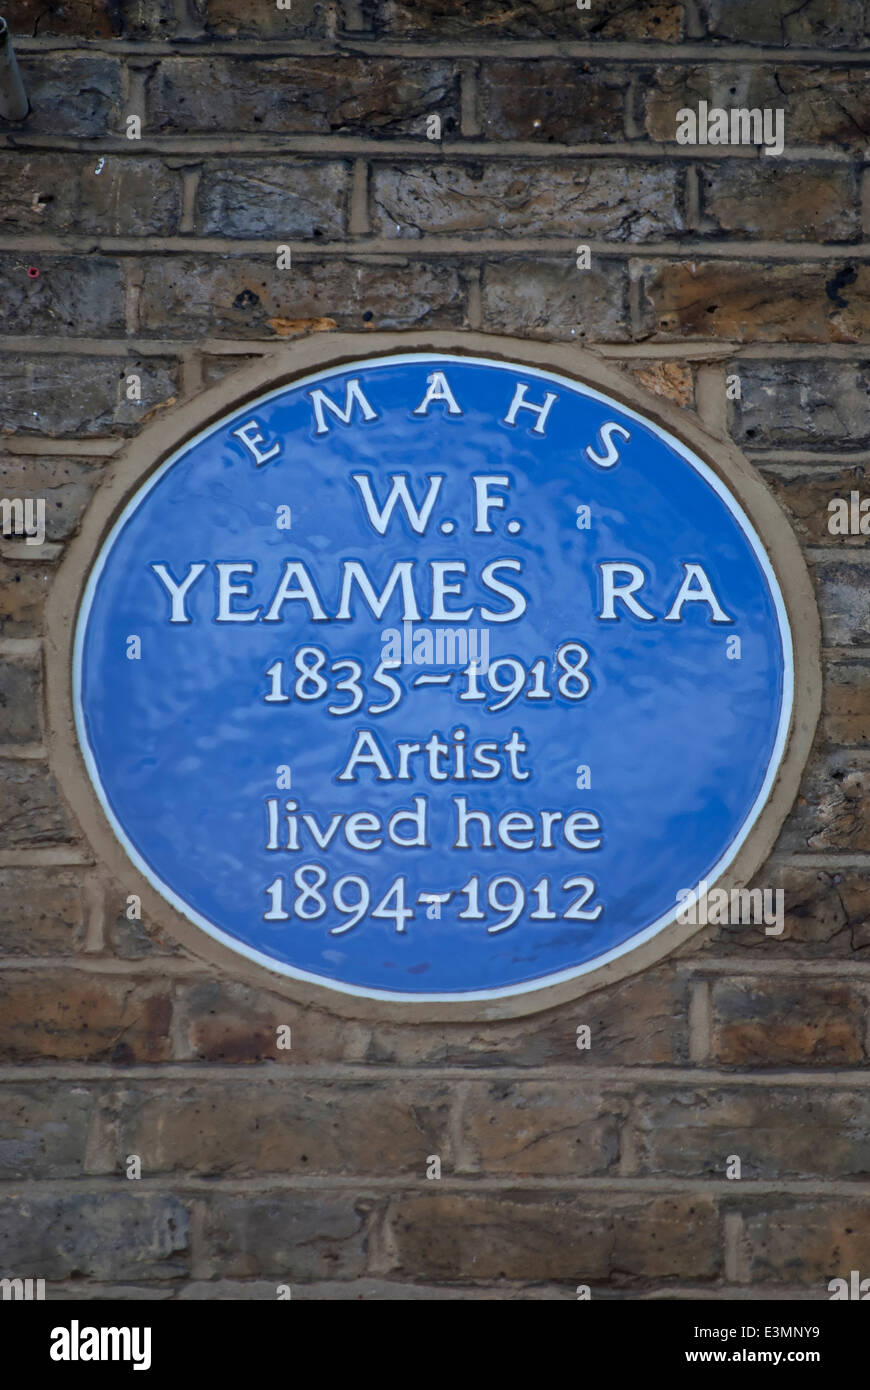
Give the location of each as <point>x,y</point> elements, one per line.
<point>190,758</point>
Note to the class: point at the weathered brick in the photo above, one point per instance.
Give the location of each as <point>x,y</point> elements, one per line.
<point>73,94</point>
<point>63,193</point>
<point>846,703</point>
<point>574,1121</point>
<point>642,1021</point>
<point>293,198</point>
<point>832,812</point>
<point>217,366</point>
<point>30,813</point>
<point>553,299</point>
<point>251,19</point>
<point>529,1128</point>
<point>691,1132</point>
<point>225,1021</point>
<point>805,1241</point>
<point>799,1022</point>
<point>673,380</point>
<point>252,299</point>
<point>79,1290</point>
<point>285,1127</point>
<point>23,591</point>
<point>669,1237</point>
<point>804,404</point>
<point>66,485</point>
<point>41,912</point>
<point>555,1236</point>
<point>597,199</point>
<point>44,1130</point>
<point>817,922</point>
<point>79,396</point>
<point>548,1236</point>
<point>131,937</point>
<point>660,20</point>
<point>73,296</point>
<point>129,196</point>
<point>753,302</point>
<point>71,1015</point>
<point>378,96</point>
<point>297,1235</point>
<point>106,1235</point>
<point>816,24</point>
<point>365,1290</point>
<point>551,100</point>
<point>90,19</point>
<point>20,701</point>
<point>548,1037</point>
<point>854,889</point>
<point>805,492</point>
<point>821,105</point>
<point>766,199</point>
<point>842,594</point>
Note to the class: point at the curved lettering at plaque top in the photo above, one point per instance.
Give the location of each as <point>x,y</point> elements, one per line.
<point>432,677</point>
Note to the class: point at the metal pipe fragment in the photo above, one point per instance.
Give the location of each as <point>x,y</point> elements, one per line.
<point>14,105</point>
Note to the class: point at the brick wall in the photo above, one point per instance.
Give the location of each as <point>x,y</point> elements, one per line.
<point>260,127</point>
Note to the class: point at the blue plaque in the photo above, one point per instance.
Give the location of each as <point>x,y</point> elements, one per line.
<point>432,677</point>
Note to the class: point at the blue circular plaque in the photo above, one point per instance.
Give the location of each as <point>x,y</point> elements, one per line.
<point>432,677</point>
